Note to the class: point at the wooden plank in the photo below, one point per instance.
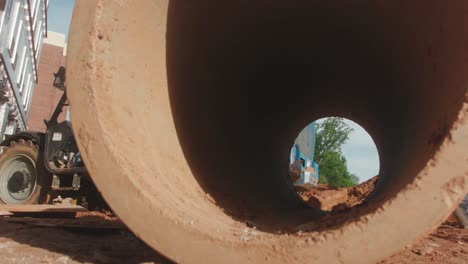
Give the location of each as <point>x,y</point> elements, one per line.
<point>67,223</point>
<point>42,208</point>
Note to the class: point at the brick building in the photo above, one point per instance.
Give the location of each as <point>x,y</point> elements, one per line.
<point>46,96</point>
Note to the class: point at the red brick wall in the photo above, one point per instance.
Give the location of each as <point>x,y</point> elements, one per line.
<point>46,96</point>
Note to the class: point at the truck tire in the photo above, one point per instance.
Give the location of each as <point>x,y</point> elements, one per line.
<point>21,173</point>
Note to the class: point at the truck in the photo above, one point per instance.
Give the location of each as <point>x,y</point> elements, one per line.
<point>38,167</point>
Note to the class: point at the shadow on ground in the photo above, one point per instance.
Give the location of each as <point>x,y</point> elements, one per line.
<point>20,243</point>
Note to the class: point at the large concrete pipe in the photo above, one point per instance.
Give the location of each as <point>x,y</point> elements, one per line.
<point>185,112</point>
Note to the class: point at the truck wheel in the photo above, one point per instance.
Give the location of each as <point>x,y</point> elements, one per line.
<point>21,178</point>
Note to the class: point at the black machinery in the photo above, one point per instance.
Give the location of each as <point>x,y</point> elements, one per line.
<point>36,166</point>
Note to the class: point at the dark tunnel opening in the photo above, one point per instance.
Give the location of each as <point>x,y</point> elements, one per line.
<point>247,81</point>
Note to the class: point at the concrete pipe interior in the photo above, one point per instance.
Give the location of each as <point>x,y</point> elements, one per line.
<point>184,112</point>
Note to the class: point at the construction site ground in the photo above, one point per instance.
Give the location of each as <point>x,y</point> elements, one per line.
<point>97,237</point>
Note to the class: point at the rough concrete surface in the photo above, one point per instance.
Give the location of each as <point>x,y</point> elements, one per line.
<point>95,237</point>
<point>215,88</point>
<point>447,244</point>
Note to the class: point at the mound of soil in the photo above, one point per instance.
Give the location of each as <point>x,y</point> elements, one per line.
<point>329,198</point>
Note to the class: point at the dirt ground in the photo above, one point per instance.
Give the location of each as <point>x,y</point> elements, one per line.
<point>26,243</point>
<point>448,244</point>
<point>101,238</point>
<point>91,238</point>
<point>328,198</point>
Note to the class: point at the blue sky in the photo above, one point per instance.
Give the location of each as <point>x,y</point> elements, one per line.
<point>59,15</point>
<point>361,153</point>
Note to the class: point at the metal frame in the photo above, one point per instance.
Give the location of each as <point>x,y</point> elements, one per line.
<point>25,47</point>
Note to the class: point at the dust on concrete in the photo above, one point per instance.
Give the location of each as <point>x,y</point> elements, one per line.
<point>448,244</point>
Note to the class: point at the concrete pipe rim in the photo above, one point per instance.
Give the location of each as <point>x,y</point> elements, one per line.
<point>94,71</point>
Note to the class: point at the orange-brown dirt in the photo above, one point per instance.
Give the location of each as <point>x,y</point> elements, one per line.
<point>92,237</point>
<point>100,237</point>
<point>448,244</point>
<point>329,198</point>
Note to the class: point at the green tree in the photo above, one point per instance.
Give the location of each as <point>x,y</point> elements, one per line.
<point>322,178</point>
<point>354,179</point>
<point>332,133</point>
<point>334,169</point>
